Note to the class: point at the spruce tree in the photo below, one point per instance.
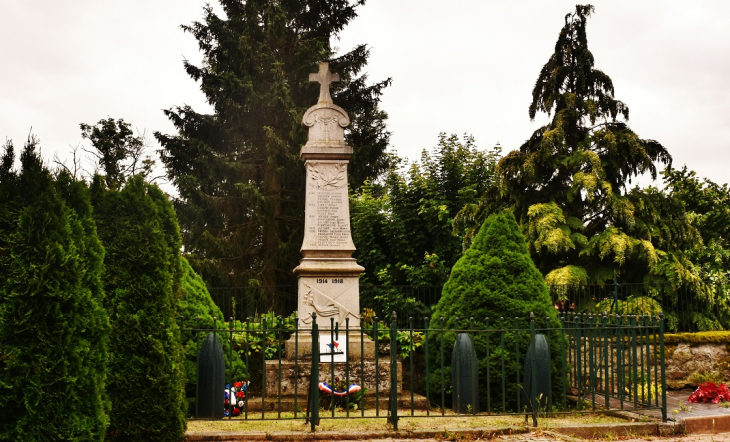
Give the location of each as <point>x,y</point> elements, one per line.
<point>53,328</point>
<point>142,272</point>
<point>495,279</point>
<point>237,171</point>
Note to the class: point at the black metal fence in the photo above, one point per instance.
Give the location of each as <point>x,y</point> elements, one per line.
<point>685,310</point>
<point>596,363</point>
<point>244,302</point>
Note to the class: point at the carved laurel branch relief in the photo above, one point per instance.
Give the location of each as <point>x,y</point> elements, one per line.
<point>333,177</point>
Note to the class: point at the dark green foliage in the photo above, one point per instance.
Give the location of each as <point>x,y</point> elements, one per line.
<point>494,279</point>
<point>197,310</point>
<point>53,328</point>
<point>238,172</point>
<point>403,228</point>
<point>145,380</point>
<point>117,150</point>
<point>708,209</point>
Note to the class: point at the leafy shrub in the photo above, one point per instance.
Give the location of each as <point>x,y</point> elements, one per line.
<point>495,278</point>
<point>263,335</point>
<point>633,305</point>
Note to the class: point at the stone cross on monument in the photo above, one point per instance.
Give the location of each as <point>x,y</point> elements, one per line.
<point>324,77</point>
<point>328,276</point>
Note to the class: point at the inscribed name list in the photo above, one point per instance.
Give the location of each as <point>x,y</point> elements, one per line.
<point>327,215</point>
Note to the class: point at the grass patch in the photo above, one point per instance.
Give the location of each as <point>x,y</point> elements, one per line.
<point>371,423</point>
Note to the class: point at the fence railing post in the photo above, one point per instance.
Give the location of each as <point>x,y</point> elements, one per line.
<point>533,371</point>
<point>578,338</point>
<point>564,362</point>
<point>425,349</point>
<point>296,362</point>
<point>663,367</point>
<point>263,367</point>
<point>229,365</point>
<point>488,359</point>
<point>393,403</point>
<point>313,405</point>
<point>504,376</point>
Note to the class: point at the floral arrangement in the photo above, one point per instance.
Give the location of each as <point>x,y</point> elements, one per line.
<point>339,389</point>
<point>342,395</point>
<point>710,392</point>
<point>235,398</point>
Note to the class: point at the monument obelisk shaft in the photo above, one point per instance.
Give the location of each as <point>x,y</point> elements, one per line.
<point>328,276</point>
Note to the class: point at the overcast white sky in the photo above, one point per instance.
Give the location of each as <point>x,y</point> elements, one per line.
<point>458,66</point>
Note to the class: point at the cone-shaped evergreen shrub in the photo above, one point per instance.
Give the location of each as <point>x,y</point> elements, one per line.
<point>53,328</point>
<point>197,310</point>
<point>145,381</point>
<point>495,278</point>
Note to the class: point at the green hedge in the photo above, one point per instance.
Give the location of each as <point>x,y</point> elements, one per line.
<point>145,381</point>
<point>495,278</point>
<point>53,328</point>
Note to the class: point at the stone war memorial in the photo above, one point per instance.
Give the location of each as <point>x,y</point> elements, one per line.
<point>328,275</point>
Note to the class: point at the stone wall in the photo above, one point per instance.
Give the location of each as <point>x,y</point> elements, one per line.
<point>693,357</point>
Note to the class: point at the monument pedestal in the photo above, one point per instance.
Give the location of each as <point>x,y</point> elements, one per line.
<point>367,374</point>
<point>301,348</point>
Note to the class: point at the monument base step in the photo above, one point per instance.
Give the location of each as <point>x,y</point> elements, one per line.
<point>367,374</point>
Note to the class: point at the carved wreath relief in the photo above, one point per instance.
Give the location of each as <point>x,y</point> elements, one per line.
<point>327,125</point>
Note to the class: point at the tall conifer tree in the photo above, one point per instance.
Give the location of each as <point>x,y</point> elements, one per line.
<point>569,183</point>
<point>238,172</point>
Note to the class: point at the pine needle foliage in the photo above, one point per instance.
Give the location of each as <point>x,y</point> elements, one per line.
<point>53,327</point>
<point>237,170</point>
<point>145,381</point>
<point>494,279</point>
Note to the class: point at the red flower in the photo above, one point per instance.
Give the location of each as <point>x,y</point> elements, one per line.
<point>710,392</point>
<point>238,384</point>
<point>240,394</point>
<point>236,412</point>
